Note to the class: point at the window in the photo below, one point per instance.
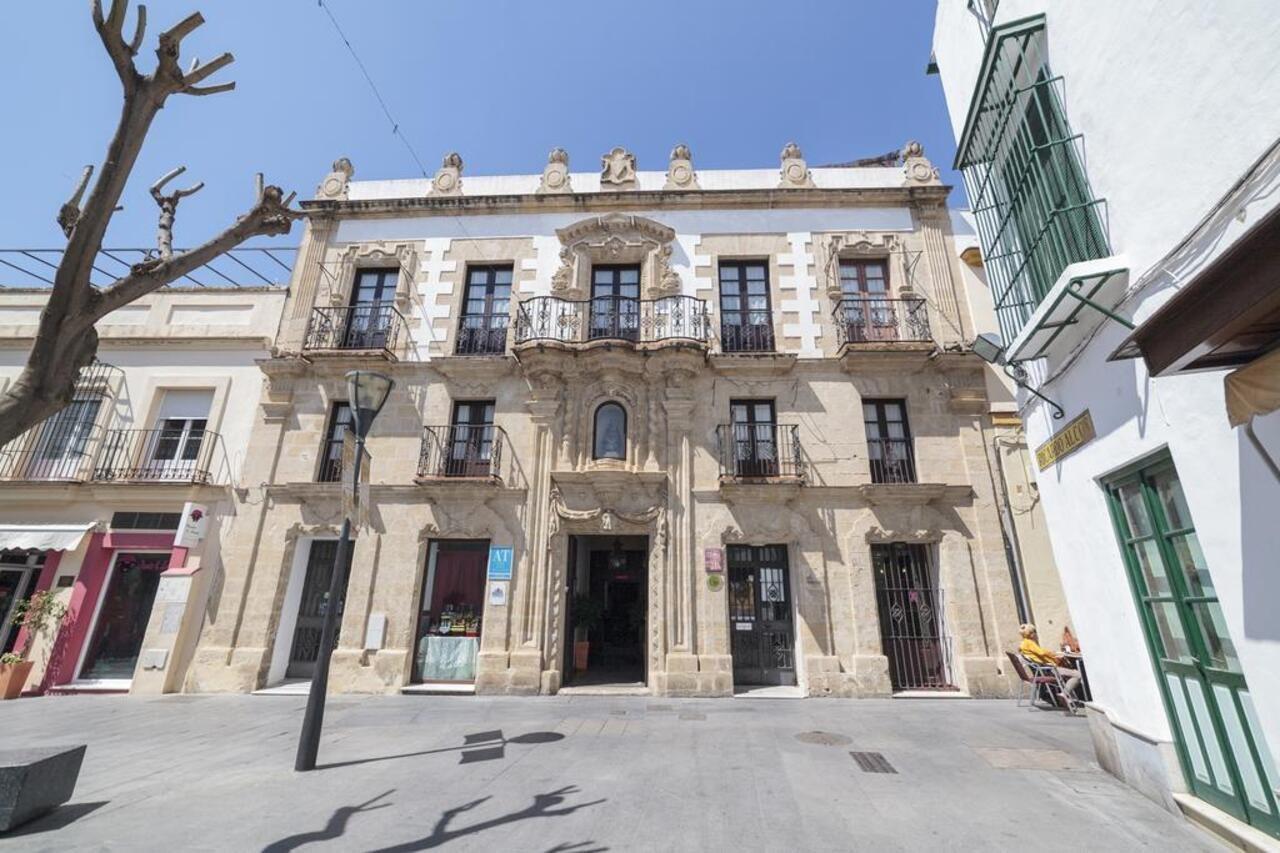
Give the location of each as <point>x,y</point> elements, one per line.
<point>331,452</point>
<point>145,520</point>
<point>369,318</point>
<point>610,432</point>
<point>863,278</point>
<point>470,439</point>
<point>174,445</point>
<point>1022,169</point>
<point>60,446</point>
<point>754,427</point>
<point>615,302</point>
<point>889,441</point>
<point>745,318</point>
<point>482,329</point>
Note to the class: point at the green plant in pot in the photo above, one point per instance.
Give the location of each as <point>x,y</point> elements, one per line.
<point>587,615</point>
<point>37,615</point>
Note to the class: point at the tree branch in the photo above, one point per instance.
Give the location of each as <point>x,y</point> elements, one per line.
<point>69,214</point>
<point>111,31</point>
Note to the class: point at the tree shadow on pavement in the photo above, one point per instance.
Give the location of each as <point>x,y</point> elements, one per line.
<point>543,805</point>
<point>482,746</point>
<point>336,826</point>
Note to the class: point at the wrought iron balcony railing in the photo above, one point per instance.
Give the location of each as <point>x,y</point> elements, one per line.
<point>482,334</point>
<point>742,332</point>
<point>162,456</point>
<point>871,319</point>
<point>55,450</point>
<point>612,318</point>
<point>762,451</point>
<point>893,460</point>
<point>375,326</point>
<point>463,451</point>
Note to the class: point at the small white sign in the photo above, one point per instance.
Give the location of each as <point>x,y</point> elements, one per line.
<point>193,527</point>
<point>376,631</point>
<point>742,626</point>
<point>498,593</point>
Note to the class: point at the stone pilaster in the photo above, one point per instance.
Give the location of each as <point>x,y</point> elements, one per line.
<point>935,231</point>
<point>305,283</point>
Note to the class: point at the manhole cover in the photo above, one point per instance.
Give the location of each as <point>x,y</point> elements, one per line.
<point>823,738</point>
<point>872,762</point>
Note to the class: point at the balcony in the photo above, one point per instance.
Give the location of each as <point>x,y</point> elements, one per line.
<point>760,452</point>
<point>612,318</point>
<point>373,328</point>
<point>463,452</point>
<point>55,450</point>
<point>482,334</point>
<point>738,333</point>
<point>873,320</point>
<point>162,456</point>
<point>893,460</point>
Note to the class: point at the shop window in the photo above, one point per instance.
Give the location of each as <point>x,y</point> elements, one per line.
<point>450,611</point>
<point>610,432</point>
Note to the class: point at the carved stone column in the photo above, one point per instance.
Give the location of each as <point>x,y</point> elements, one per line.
<point>681,659</point>
<point>935,225</point>
<point>305,283</point>
<point>531,593</point>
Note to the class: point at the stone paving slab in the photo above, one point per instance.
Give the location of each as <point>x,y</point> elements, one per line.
<point>586,773</point>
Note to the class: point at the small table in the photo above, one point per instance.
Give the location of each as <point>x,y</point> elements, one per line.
<point>1078,662</point>
<point>442,657</point>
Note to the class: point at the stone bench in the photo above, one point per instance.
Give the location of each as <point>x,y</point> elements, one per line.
<point>35,781</point>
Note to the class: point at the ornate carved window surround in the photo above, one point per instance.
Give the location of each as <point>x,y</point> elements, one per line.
<point>615,238</point>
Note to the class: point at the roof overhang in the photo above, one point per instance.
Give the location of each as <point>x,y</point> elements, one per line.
<point>1085,295</point>
<point>1228,315</point>
<point>42,537</point>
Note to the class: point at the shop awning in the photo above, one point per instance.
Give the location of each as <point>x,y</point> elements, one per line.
<point>42,537</point>
<point>1254,389</point>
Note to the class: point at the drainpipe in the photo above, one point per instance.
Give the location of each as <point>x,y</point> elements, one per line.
<point>1009,533</point>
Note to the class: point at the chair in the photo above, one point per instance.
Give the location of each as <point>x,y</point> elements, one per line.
<point>1033,677</point>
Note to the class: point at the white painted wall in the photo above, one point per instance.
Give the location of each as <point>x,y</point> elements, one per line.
<point>1175,101</point>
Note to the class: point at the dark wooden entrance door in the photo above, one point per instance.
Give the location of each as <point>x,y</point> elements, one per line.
<point>910,621</point>
<point>761,633</point>
<point>312,607</point>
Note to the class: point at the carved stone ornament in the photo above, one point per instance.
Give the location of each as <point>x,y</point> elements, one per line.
<point>916,168</point>
<point>858,244</point>
<point>618,169</point>
<point>615,238</point>
<point>335,183</point>
<point>448,181</point>
<point>795,172</point>
<point>382,254</point>
<point>609,518</point>
<point>555,176</point>
<point>680,174</point>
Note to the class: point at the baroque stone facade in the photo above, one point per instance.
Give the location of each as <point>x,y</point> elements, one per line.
<point>759,389</point>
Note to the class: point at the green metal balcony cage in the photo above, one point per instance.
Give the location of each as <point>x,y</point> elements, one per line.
<point>1023,171</point>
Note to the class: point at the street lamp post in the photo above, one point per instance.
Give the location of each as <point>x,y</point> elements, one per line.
<point>367,392</point>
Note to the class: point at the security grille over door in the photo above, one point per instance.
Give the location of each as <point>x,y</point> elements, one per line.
<point>761,634</point>
<point>312,607</point>
<point>910,617</point>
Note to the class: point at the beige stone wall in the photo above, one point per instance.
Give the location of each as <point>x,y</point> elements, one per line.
<point>669,488</point>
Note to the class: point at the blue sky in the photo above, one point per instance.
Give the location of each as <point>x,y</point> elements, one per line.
<point>500,82</point>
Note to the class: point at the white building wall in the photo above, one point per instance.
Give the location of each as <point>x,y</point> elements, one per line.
<point>1175,102</point>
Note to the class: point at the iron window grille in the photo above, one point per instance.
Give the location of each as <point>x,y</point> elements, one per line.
<point>331,451</point>
<point>482,328</point>
<point>746,316</point>
<point>1023,171</point>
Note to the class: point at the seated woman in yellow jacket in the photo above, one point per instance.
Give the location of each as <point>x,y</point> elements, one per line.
<point>1036,653</point>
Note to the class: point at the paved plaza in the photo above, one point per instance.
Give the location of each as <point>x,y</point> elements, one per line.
<point>587,773</point>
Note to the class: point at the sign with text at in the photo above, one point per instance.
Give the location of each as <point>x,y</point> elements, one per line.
<point>713,559</point>
<point>193,527</point>
<point>499,563</point>
<point>1066,441</point>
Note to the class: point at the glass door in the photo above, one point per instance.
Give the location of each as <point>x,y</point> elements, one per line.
<point>761,635</point>
<point>755,437</point>
<point>1220,745</point>
<point>122,617</point>
<point>615,302</point>
<point>369,318</point>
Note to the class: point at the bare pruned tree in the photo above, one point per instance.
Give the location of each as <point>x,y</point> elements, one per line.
<point>65,340</point>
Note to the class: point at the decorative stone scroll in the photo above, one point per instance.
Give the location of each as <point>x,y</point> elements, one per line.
<point>916,168</point>
<point>448,181</point>
<point>555,176</point>
<point>609,518</point>
<point>382,254</point>
<point>680,173</point>
<point>795,172</point>
<point>618,169</point>
<point>615,238</point>
<point>334,185</point>
<point>860,244</point>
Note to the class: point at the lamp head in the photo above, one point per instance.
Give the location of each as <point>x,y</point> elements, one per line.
<point>988,347</point>
<point>368,392</point>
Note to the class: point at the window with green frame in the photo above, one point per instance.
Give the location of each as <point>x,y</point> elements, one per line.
<point>1022,169</point>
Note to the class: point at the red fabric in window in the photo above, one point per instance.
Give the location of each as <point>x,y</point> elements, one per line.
<point>459,580</point>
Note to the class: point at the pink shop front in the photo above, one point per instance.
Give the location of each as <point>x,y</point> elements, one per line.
<point>132,593</point>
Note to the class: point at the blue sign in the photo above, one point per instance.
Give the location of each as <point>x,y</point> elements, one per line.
<point>499,563</point>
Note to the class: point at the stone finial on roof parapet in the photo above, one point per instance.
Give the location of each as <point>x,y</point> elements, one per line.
<point>680,173</point>
<point>916,168</point>
<point>795,172</point>
<point>448,181</point>
<point>555,176</point>
<point>334,185</point>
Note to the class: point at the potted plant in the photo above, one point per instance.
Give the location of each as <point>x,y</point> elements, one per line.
<point>36,615</point>
<point>587,615</point>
